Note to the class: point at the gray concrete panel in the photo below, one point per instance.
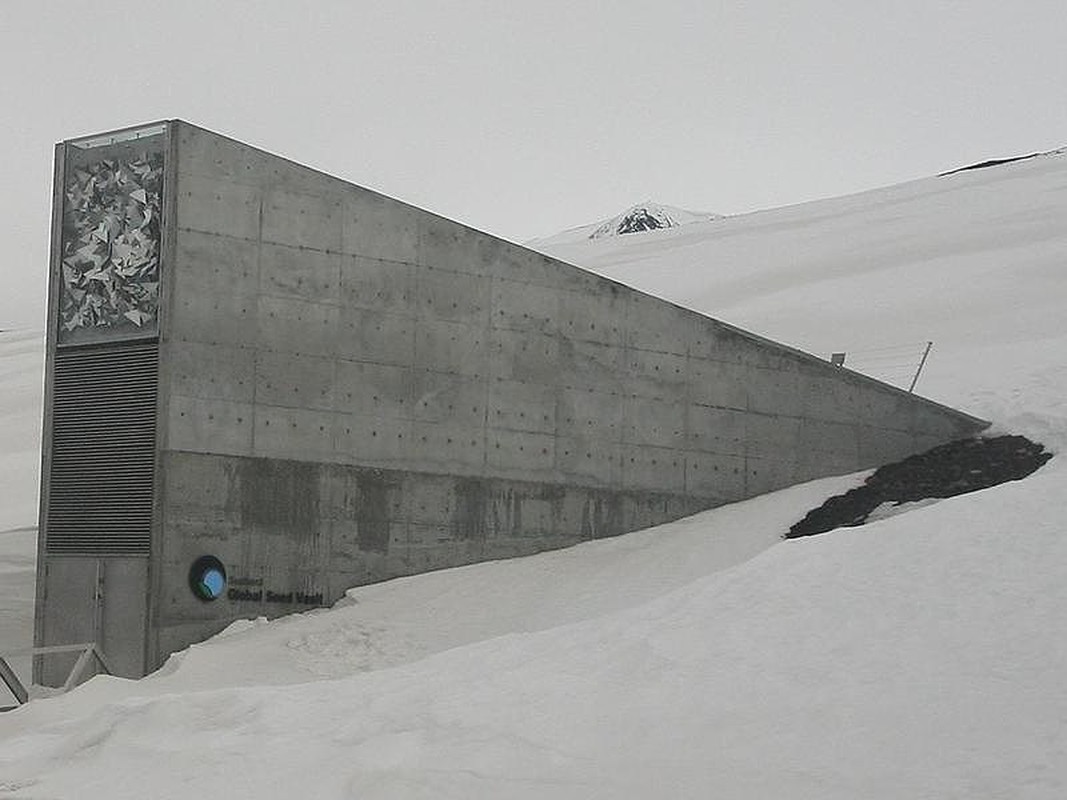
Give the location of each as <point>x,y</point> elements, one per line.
<point>202,152</point>
<point>771,436</point>
<point>282,379</point>
<point>205,481</point>
<point>812,464</point>
<point>366,335</point>
<point>767,474</point>
<point>454,296</point>
<point>717,383</point>
<point>588,461</point>
<point>424,540</point>
<point>832,397</point>
<point>209,425</point>
<point>716,430</point>
<point>519,406</point>
<point>655,423</point>
<point>523,516</point>
<point>211,372</point>
<point>428,501</point>
<point>218,206</point>
<point>508,261</point>
<point>385,390</point>
<point>652,324</point>
<point>352,553</point>
<point>209,154</point>
<point>299,327</point>
<point>204,526</point>
<point>377,227</point>
<point>524,357</point>
<point>593,317</point>
<point>883,410</point>
<point>524,307</point>
<point>937,425</point>
<point>829,437</point>
<point>878,445</point>
<point>765,355</point>
<point>657,375</point>
<point>371,283</point>
<point>773,391</point>
<point>448,245</point>
<point>711,340</point>
<point>718,476</point>
<point>300,273</point>
<point>446,397</point>
<point>224,319</point>
<point>590,365</point>
<point>590,414</point>
<point>659,469</point>
<point>339,494</point>
<point>454,347</point>
<point>520,454</point>
<point>299,433</point>
<point>210,264</point>
<point>374,440</point>
<point>302,220</point>
<point>449,447</point>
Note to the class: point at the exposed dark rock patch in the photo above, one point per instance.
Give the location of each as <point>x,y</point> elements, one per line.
<point>641,220</point>
<point>992,162</point>
<point>955,468</point>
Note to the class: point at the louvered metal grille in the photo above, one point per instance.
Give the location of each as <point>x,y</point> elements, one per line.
<point>103,450</point>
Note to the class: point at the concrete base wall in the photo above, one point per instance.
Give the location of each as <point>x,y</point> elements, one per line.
<point>297,534</point>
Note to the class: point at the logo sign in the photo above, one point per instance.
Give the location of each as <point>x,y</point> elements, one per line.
<point>207,578</point>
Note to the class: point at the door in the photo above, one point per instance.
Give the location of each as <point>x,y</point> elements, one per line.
<point>93,599</point>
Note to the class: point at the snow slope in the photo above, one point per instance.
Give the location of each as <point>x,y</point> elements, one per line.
<point>21,383</point>
<point>918,656</point>
<point>21,367</point>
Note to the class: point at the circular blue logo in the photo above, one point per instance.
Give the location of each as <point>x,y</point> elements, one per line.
<point>207,578</point>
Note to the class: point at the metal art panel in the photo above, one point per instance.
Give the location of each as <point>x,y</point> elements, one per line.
<point>110,244</point>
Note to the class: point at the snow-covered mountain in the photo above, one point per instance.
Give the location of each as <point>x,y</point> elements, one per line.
<point>919,656</point>
<point>641,218</point>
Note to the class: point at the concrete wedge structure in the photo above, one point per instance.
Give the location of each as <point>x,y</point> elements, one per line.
<point>265,385</point>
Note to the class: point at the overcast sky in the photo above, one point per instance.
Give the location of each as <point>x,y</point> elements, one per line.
<point>522,119</point>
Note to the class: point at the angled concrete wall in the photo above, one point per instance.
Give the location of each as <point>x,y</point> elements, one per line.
<point>343,388</point>
<point>354,389</point>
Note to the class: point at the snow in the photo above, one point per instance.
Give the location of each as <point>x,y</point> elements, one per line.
<point>21,368</point>
<point>920,655</point>
<point>21,376</point>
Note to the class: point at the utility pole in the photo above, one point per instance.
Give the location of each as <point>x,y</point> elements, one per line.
<point>926,352</point>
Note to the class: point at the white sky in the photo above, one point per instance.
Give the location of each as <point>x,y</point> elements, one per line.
<point>525,118</point>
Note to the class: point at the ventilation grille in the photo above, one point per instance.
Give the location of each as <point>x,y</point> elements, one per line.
<point>103,450</point>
